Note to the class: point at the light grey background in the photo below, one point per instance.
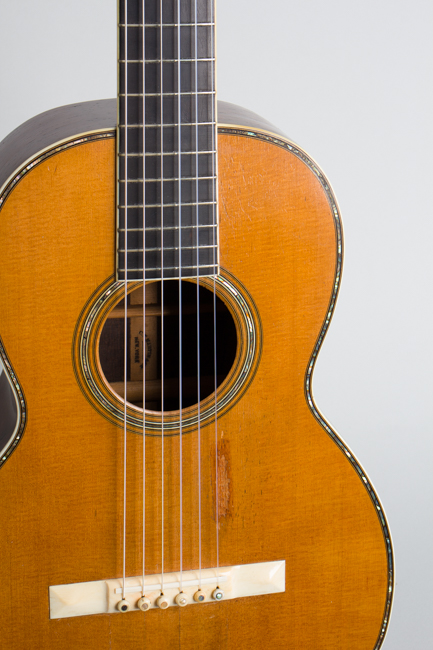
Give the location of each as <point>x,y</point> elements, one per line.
<point>351,83</point>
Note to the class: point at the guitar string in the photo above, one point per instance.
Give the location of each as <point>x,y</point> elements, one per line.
<point>162,284</point>
<point>214,260</point>
<point>197,290</point>
<point>179,142</point>
<point>143,9</point>
<point>125,334</point>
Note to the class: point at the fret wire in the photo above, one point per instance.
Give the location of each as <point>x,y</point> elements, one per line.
<point>166,248</point>
<point>158,228</point>
<point>166,153</point>
<point>158,25</point>
<point>158,180</point>
<point>166,205</point>
<point>184,93</point>
<point>169,268</point>
<point>157,125</point>
<point>212,59</point>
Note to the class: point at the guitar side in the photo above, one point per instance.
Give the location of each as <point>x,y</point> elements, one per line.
<point>289,488</point>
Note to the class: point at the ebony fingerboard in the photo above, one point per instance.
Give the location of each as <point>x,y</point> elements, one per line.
<point>166,132</point>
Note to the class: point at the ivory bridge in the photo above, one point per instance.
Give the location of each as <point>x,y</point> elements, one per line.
<point>103,596</point>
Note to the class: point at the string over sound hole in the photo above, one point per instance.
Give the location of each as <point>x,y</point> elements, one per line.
<point>161,340</point>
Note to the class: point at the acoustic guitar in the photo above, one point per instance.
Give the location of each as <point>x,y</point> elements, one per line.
<point>169,270</point>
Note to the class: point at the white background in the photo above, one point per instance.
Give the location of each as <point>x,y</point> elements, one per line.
<point>351,83</point>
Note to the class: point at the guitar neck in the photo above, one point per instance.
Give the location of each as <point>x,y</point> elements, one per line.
<point>166,140</point>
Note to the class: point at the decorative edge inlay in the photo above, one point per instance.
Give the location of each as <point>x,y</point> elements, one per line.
<point>111,406</point>
<point>5,191</point>
<point>312,165</point>
<point>41,156</point>
<point>16,436</point>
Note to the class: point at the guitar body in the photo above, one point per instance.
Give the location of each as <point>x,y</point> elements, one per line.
<point>288,488</point>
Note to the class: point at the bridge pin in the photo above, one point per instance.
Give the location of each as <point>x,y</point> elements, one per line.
<point>123,605</point>
<point>144,604</point>
<point>217,594</point>
<point>162,602</point>
<point>181,599</point>
<point>199,596</point>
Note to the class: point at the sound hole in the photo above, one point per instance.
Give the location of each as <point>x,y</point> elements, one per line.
<point>8,410</point>
<point>148,349</point>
